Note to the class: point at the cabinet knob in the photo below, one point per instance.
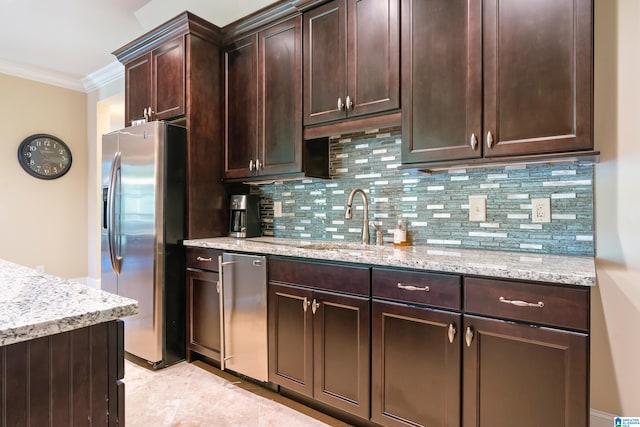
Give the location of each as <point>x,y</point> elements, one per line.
<point>314,306</point>
<point>451,332</point>
<point>489,139</point>
<point>468,336</point>
<point>258,164</point>
<point>305,304</point>
<point>349,103</point>
<point>473,142</point>
<point>340,104</point>
<point>251,165</point>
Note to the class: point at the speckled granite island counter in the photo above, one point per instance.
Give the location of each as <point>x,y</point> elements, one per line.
<point>61,350</point>
<point>508,265</point>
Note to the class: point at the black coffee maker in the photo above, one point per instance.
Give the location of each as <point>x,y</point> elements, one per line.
<point>244,218</point>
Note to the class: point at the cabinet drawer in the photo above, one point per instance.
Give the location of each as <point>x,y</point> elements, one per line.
<point>202,258</point>
<point>441,290</point>
<point>564,306</point>
<point>333,277</point>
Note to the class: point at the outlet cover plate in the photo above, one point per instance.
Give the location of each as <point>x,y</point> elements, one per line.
<point>540,210</point>
<point>477,208</point>
<point>277,209</point>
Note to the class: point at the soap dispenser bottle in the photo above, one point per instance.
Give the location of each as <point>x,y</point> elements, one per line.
<point>399,234</point>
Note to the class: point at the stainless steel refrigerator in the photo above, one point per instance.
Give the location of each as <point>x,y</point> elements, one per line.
<point>143,225</point>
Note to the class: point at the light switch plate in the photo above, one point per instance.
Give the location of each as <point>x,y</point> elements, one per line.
<point>277,209</point>
<point>540,210</point>
<point>477,208</point>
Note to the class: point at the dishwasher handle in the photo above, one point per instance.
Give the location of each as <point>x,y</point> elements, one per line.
<point>221,302</point>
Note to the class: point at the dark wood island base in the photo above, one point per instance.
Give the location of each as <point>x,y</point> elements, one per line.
<point>67,379</point>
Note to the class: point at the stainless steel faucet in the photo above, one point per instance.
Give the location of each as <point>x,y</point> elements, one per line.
<point>349,213</point>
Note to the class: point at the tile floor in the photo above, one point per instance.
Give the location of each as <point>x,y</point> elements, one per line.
<point>197,394</point>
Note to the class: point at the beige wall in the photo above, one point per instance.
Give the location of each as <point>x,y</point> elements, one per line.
<point>43,222</point>
<point>615,344</point>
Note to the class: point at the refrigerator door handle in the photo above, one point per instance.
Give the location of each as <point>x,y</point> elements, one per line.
<point>221,302</point>
<point>116,260</point>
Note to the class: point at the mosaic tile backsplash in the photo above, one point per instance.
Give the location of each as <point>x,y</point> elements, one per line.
<point>435,207</point>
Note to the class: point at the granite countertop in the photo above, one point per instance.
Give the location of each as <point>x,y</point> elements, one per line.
<point>569,270</point>
<point>34,304</point>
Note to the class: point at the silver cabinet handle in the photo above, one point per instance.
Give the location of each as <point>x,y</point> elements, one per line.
<point>251,165</point>
<point>489,139</point>
<point>218,286</point>
<point>520,303</point>
<point>473,142</point>
<point>340,104</point>
<point>413,288</point>
<point>468,336</point>
<point>223,352</point>
<point>204,259</point>
<point>258,164</point>
<point>314,306</point>
<point>451,332</point>
<point>305,303</point>
<point>349,103</point>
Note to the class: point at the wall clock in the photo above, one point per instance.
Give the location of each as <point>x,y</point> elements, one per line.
<point>44,156</point>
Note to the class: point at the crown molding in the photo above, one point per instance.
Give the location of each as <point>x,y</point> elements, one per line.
<point>42,75</point>
<point>103,76</point>
<point>86,84</point>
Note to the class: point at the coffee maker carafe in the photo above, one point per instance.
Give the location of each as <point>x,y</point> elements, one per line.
<point>244,218</point>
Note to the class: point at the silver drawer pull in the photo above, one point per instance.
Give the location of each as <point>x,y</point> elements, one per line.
<point>468,336</point>
<point>413,288</point>
<point>519,303</point>
<point>203,259</point>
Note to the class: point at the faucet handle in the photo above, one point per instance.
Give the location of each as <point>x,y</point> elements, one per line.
<point>379,236</point>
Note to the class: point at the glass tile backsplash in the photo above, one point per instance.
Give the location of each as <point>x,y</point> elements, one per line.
<point>435,207</point>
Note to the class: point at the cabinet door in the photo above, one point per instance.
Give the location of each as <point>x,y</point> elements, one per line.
<point>138,88</point>
<point>537,376</point>
<point>280,98</point>
<point>441,80</point>
<point>415,366</point>
<point>168,77</point>
<point>241,91</point>
<point>373,56</point>
<point>203,313</point>
<point>291,338</point>
<point>325,62</point>
<point>341,352</point>
<point>538,76</point>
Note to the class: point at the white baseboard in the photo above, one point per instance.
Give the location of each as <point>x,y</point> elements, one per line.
<point>601,419</point>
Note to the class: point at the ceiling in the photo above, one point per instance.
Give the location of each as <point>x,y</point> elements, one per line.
<point>69,42</point>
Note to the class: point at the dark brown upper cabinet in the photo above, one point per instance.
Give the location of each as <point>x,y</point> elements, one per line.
<point>490,79</point>
<point>156,83</point>
<point>351,59</point>
<point>263,98</point>
<point>174,71</point>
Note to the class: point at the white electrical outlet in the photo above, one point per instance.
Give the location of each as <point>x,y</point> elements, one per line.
<point>477,208</point>
<point>277,209</point>
<point>541,210</point>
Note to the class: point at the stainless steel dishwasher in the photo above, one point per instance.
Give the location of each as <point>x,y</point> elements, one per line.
<point>243,317</point>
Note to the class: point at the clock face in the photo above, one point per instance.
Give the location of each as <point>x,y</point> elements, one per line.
<point>44,156</point>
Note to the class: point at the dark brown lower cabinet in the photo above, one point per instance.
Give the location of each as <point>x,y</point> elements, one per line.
<point>415,376</point>
<point>524,375</point>
<point>203,303</point>
<point>71,378</point>
<point>203,314</point>
<point>319,346</point>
